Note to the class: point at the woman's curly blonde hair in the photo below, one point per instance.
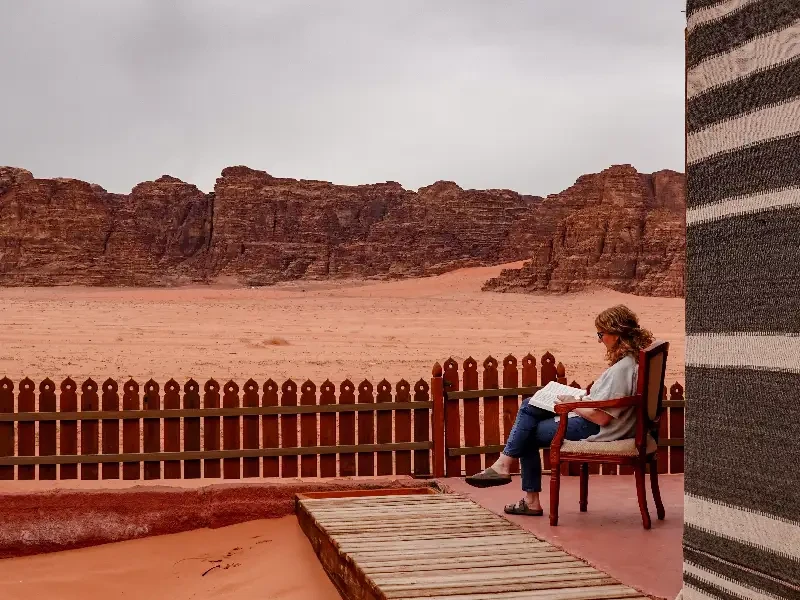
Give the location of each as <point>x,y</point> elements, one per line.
<point>622,321</point>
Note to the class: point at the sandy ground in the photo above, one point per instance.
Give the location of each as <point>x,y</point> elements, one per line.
<point>256,560</point>
<point>308,330</point>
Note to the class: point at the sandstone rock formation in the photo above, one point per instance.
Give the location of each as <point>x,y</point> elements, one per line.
<point>624,231</point>
<point>256,229</point>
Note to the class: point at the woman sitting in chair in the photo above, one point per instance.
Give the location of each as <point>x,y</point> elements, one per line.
<point>619,331</point>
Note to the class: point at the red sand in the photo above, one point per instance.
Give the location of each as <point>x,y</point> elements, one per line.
<point>309,330</point>
<point>256,560</point>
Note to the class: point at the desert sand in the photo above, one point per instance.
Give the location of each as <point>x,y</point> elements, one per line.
<point>256,560</point>
<point>309,330</point>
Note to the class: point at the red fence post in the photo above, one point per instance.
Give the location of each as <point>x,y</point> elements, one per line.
<point>289,429</point>
<point>491,410</point>
<point>26,432</point>
<point>472,417</point>
<point>269,429</point>
<point>90,430</point>
<point>172,429</point>
<point>69,429</point>
<point>402,428</point>
<point>424,430</point>
<point>347,429</point>
<point>676,429</point>
<point>6,427</point>
<point>152,429</point>
<point>438,422</point>
<point>48,442</point>
<point>109,427</point>
<point>452,419</point>
<point>548,368</point>
<point>384,428</point>
<point>327,429</point>
<point>308,429</point>
<point>131,430</point>
<point>510,403</point>
<point>251,466</point>
<point>231,432</point>
<point>366,429</point>
<point>191,429</point>
<point>211,466</point>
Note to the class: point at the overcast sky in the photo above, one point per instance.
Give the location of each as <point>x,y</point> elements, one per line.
<point>524,94</point>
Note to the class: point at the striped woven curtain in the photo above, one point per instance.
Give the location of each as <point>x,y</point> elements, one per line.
<point>742,506</point>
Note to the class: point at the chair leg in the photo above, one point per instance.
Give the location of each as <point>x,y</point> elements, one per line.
<point>641,492</point>
<point>656,491</point>
<point>584,486</point>
<point>555,486</point>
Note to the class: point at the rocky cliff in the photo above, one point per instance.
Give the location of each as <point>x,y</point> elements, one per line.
<point>624,230</point>
<point>256,229</point>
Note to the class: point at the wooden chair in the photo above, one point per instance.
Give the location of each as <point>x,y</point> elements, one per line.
<point>638,452</point>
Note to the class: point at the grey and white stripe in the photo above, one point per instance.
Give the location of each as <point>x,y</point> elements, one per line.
<point>742,510</point>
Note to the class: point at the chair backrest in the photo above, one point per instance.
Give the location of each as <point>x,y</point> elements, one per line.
<point>650,381</point>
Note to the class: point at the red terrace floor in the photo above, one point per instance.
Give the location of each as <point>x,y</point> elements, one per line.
<point>610,535</point>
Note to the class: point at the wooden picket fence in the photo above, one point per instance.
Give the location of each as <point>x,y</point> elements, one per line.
<point>473,414</point>
<point>270,430</point>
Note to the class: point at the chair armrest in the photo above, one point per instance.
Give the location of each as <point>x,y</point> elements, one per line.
<point>562,409</point>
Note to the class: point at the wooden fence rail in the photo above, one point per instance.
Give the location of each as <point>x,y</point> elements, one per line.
<point>232,432</point>
<point>253,431</point>
<point>473,414</point>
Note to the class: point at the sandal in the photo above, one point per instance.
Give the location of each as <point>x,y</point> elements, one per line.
<point>488,478</point>
<point>521,508</point>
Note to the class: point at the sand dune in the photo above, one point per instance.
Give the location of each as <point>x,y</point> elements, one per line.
<point>308,330</point>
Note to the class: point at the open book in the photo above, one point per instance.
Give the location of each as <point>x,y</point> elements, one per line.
<point>547,397</point>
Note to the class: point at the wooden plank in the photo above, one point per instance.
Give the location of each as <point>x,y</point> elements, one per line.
<point>206,412</point>
<point>430,546</point>
<point>472,417</point>
<point>269,429</point>
<point>191,429</point>
<point>231,432</point>
<point>491,412</point>
<point>211,431</point>
<point>7,427</point>
<point>366,430</point>
<point>422,427</point>
<point>510,402</point>
<point>402,427</point>
<point>383,428</point>
<point>347,428</point>
<point>327,429</point>
<point>26,432</point>
<point>452,418</point>
<point>48,442</point>
<point>109,428</point>
<point>131,443</point>
<point>208,455</point>
<point>152,430</point>
<point>69,428</point>
<point>308,429</point>
<point>251,467</point>
<point>172,429</point>
<point>504,391</point>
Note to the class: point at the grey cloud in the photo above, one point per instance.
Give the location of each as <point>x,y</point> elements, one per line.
<point>519,94</point>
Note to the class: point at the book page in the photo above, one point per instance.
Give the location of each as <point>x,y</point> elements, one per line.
<point>547,397</point>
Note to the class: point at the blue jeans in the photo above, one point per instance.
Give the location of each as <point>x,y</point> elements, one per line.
<point>533,429</point>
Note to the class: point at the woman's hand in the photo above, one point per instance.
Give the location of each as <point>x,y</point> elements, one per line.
<point>562,399</point>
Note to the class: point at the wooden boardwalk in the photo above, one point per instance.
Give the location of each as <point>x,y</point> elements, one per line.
<point>441,546</point>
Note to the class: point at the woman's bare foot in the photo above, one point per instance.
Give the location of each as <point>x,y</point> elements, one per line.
<point>503,465</point>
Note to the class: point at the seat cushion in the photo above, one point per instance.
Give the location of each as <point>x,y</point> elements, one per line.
<point>626,447</point>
